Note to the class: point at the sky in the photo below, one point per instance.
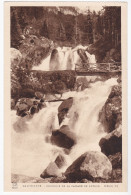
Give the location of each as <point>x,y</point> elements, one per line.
<point>91,8</point>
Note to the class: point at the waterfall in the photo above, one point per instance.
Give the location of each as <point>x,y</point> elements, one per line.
<point>64,59</point>
<point>44,64</point>
<point>31,137</point>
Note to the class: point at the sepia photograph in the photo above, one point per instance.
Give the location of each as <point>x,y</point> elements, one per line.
<point>66,92</point>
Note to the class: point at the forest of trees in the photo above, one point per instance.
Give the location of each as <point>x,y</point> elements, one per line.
<point>67,26</point>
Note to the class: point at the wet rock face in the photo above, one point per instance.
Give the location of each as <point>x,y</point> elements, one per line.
<point>111,114</point>
<point>63,137</point>
<point>64,108</point>
<point>112,143</point>
<point>89,166</point>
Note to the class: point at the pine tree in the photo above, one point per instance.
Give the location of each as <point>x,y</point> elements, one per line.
<point>44,30</point>
<point>88,28</point>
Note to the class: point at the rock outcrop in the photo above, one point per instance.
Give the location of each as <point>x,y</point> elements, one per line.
<point>112,142</point>
<point>90,165</point>
<point>63,137</point>
<point>111,114</point>
<point>64,108</point>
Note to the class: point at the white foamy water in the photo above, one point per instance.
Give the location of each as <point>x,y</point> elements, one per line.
<point>31,153</point>
<point>64,59</point>
<point>28,141</point>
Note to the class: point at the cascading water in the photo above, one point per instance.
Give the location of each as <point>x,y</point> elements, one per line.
<point>64,59</point>
<point>44,64</point>
<point>29,136</point>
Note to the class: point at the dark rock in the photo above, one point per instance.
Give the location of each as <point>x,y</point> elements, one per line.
<point>42,100</point>
<point>51,171</point>
<point>116,176</point>
<point>111,113</point>
<point>112,143</point>
<point>64,108</point>
<point>83,56</point>
<point>89,166</point>
<point>116,91</point>
<point>41,105</point>
<point>22,108</point>
<point>62,140</point>
<point>34,109</point>
<point>63,137</point>
<point>26,106</point>
<point>66,104</point>
<point>60,161</point>
<point>116,160</point>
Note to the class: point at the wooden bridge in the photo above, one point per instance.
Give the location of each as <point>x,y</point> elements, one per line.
<point>98,68</point>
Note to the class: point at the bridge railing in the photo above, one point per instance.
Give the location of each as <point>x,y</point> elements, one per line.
<point>98,67</point>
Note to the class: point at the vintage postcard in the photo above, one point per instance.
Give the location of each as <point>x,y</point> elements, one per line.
<point>65,73</point>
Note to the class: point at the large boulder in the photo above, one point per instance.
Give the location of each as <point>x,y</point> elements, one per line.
<point>63,137</point>
<point>64,108</point>
<point>111,113</point>
<point>89,166</point>
<point>112,142</point>
<point>52,170</point>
